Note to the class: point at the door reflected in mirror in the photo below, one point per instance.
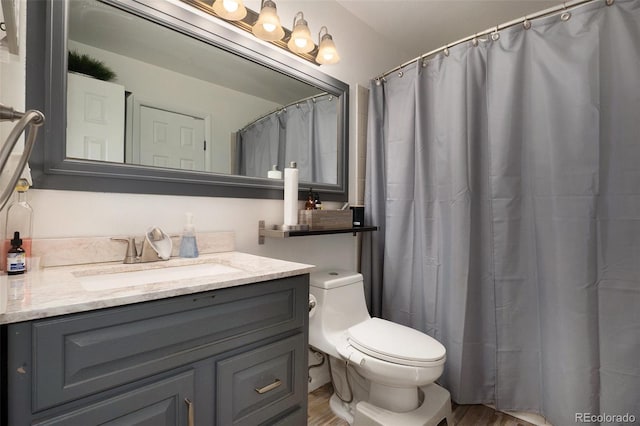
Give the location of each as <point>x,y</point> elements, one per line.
<point>177,102</point>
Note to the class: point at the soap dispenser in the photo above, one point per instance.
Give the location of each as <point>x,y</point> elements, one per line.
<point>188,244</point>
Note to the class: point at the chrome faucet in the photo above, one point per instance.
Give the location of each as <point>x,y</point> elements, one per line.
<point>131,255</point>
<point>156,246</point>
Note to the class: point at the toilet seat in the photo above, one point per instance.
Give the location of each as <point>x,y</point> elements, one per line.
<point>395,343</point>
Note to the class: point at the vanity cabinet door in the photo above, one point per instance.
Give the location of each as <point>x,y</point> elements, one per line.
<point>262,384</point>
<point>163,403</point>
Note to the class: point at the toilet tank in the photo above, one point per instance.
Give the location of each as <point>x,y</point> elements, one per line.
<point>340,304</point>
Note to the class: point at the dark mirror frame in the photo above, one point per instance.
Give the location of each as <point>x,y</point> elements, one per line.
<point>46,89</point>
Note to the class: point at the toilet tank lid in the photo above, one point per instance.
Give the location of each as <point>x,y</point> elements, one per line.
<point>333,278</point>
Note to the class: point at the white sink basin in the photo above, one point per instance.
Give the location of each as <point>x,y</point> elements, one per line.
<point>109,281</point>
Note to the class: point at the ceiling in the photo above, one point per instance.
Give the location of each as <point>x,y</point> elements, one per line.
<point>419,26</point>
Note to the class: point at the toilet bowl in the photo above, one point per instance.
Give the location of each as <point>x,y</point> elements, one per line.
<point>395,366</point>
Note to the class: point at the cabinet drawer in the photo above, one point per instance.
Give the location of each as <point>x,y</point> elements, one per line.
<point>161,403</point>
<point>82,354</point>
<point>260,384</point>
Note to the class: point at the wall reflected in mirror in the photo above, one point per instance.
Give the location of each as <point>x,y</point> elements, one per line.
<point>180,103</point>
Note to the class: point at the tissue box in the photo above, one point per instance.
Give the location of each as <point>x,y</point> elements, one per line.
<point>326,219</point>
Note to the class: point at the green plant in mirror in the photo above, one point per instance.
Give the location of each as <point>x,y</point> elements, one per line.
<point>85,64</point>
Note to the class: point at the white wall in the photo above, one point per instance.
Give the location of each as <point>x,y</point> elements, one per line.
<point>72,213</point>
<point>12,77</point>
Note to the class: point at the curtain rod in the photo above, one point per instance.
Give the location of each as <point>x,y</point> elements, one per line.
<point>523,20</point>
<point>283,108</point>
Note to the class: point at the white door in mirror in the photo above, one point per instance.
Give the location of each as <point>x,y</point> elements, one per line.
<point>95,119</point>
<point>170,139</point>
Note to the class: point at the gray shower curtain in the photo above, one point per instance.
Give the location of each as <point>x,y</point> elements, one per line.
<point>505,179</point>
<point>305,132</point>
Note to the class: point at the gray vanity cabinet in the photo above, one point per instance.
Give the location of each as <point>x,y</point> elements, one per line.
<point>234,356</point>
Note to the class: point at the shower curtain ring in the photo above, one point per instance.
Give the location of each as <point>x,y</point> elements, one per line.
<point>495,36</point>
<point>474,41</point>
<point>446,50</point>
<point>526,23</point>
<point>609,2</point>
<point>566,15</point>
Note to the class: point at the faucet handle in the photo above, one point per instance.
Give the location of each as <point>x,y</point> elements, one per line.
<point>131,255</point>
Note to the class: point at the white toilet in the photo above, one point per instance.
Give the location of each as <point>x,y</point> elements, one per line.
<point>383,372</point>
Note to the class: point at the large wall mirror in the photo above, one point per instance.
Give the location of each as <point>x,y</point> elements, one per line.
<point>194,108</point>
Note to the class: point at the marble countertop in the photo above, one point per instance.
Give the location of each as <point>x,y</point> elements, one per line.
<point>68,289</point>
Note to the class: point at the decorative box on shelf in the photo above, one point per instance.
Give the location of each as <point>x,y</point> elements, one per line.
<point>326,219</point>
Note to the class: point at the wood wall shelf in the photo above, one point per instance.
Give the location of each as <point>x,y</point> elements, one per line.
<point>263,232</point>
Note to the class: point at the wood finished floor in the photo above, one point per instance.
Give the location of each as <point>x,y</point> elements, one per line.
<point>463,415</point>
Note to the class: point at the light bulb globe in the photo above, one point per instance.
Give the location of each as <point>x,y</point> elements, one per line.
<point>230,10</point>
<point>268,27</point>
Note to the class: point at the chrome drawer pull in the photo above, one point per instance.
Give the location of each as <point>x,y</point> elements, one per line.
<point>270,387</point>
<point>191,418</point>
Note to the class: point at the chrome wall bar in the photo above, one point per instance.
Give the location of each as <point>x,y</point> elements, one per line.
<point>31,118</point>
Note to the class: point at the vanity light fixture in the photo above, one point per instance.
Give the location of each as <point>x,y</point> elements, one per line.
<point>268,27</point>
<point>300,40</point>
<point>231,10</point>
<point>327,52</point>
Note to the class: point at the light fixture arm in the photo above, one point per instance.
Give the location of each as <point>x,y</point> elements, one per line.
<point>295,18</point>
<point>326,31</point>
